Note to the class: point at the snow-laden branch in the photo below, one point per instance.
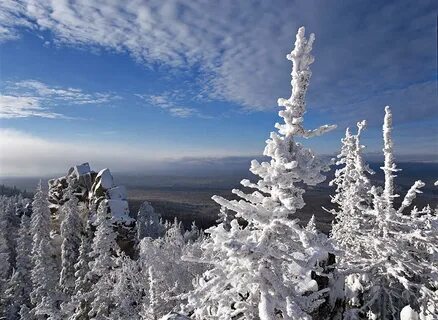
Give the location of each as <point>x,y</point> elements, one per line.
<point>411,195</point>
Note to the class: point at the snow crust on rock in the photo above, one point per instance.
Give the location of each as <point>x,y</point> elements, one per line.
<point>119,209</point>
<point>81,169</point>
<point>117,193</point>
<point>106,179</point>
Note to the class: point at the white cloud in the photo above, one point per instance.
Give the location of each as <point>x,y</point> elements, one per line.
<point>239,46</point>
<point>182,112</point>
<point>10,19</point>
<point>55,93</point>
<point>31,98</point>
<point>23,107</point>
<point>168,101</point>
<point>179,33</point>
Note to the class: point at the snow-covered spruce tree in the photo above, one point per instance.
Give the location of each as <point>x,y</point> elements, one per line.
<point>16,209</point>
<point>268,269</point>
<point>150,306</point>
<point>5,251</point>
<point>127,289</point>
<point>148,222</point>
<point>71,230</point>
<point>103,262</point>
<point>19,286</point>
<point>193,234</point>
<point>161,269</point>
<point>9,223</point>
<point>352,192</point>
<point>396,264</point>
<point>172,276</point>
<point>45,293</point>
<point>79,305</point>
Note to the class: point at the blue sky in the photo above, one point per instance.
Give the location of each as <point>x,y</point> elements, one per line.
<point>131,84</point>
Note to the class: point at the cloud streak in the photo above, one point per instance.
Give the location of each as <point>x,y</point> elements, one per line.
<point>171,103</point>
<point>24,107</point>
<point>55,94</point>
<point>31,98</point>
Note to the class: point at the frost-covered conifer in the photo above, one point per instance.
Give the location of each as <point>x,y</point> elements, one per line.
<point>5,252</point>
<point>352,192</point>
<point>104,243</point>
<point>82,265</point>
<point>192,234</point>
<point>148,222</point>
<point>45,293</point>
<point>71,230</point>
<point>268,268</point>
<point>389,167</point>
<point>127,289</point>
<point>79,305</point>
<point>20,284</point>
<point>174,234</point>
<point>150,302</point>
<point>104,250</point>
<point>172,277</point>
<point>396,264</point>
<point>9,225</point>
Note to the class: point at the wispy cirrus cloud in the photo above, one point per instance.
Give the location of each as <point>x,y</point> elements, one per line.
<point>24,107</point>
<point>32,98</point>
<point>56,93</point>
<point>171,103</point>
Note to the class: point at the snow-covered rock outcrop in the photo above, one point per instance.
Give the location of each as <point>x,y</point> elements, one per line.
<point>91,188</point>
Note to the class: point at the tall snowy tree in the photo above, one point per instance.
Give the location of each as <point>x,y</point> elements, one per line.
<point>45,293</point>
<point>396,264</point>
<point>71,230</point>
<point>5,250</point>
<point>104,250</point>
<point>150,302</point>
<point>148,222</point>
<point>269,267</point>
<point>79,305</point>
<point>352,191</point>
<point>20,284</point>
<point>127,289</point>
